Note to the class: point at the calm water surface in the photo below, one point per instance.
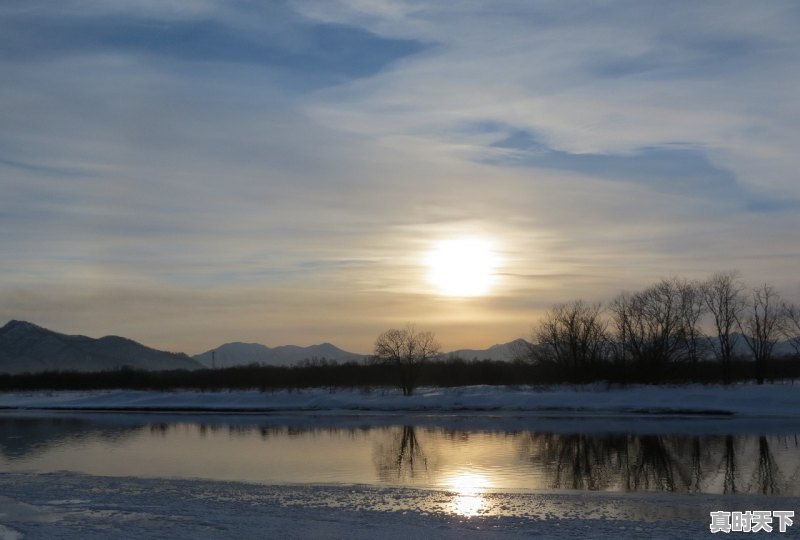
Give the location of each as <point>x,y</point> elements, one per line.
<point>464,460</point>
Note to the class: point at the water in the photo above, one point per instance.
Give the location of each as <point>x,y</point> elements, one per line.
<point>377,452</point>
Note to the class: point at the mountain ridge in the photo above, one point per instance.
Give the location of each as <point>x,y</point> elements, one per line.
<point>29,348</point>
<point>507,352</point>
<point>237,353</point>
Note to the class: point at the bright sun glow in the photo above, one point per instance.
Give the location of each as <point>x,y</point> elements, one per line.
<point>462,266</point>
<point>469,488</point>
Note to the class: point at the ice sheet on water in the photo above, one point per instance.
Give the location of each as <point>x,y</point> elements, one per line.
<point>131,507</point>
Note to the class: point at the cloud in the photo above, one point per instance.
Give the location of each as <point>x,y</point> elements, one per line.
<point>304,54</point>
<point>673,168</point>
<point>700,75</point>
<point>169,167</point>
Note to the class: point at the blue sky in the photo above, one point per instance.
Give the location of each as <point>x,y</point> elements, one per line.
<point>187,173</point>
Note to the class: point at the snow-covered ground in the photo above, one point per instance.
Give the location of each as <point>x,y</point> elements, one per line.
<point>76,506</point>
<point>771,400</point>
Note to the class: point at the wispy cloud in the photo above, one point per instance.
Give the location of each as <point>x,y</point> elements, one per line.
<point>281,167</point>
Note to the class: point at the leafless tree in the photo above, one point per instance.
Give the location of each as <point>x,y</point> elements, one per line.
<point>761,325</point>
<point>573,336</point>
<point>407,349</point>
<point>723,297</point>
<point>650,327</point>
<point>620,308</point>
<point>693,308</point>
<point>792,328</point>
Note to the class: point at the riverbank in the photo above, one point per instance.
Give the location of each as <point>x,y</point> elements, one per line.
<point>742,400</point>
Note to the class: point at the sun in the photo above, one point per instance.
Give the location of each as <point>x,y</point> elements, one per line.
<point>462,267</point>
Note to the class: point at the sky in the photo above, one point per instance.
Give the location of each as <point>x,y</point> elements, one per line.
<point>193,172</point>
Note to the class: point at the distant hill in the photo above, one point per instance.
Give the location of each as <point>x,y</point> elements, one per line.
<point>520,347</point>
<point>27,348</point>
<point>240,354</point>
<point>502,351</point>
<point>782,348</point>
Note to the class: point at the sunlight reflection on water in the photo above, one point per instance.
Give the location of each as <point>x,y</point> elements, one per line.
<point>469,488</point>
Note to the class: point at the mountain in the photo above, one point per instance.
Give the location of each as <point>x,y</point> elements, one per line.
<point>502,351</point>
<point>741,350</point>
<point>25,347</point>
<point>241,354</point>
<point>519,348</point>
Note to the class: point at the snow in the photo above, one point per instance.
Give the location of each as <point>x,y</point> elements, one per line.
<point>63,505</point>
<point>770,400</point>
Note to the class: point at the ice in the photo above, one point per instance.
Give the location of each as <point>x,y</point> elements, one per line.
<point>102,507</point>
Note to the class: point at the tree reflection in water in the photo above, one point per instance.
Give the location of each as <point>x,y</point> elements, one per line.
<point>767,473</point>
<point>687,464</point>
<point>400,459</point>
<point>465,463</point>
<point>729,483</point>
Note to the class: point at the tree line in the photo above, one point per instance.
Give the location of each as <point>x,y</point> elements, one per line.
<point>369,375</point>
<point>673,324</point>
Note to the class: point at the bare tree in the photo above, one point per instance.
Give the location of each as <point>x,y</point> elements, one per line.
<point>693,308</point>
<point>761,326</point>
<point>573,336</point>
<point>620,308</point>
<point>650,327</point>
<point>792,326</point>
<point>407,349</point>
<point>722,294</point>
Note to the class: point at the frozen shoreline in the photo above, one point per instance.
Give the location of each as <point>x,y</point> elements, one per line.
<point>776,400</point>
<point>69,506</point>
<point>72,505</point>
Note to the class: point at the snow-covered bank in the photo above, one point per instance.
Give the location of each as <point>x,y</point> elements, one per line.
<point>79,506</point>
<point>776,400</point>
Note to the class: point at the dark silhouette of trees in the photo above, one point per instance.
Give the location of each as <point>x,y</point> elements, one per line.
<point>406,349</point>
<point>761,325</point>
<point>651,326</point>
<point>791,329</point>
<point>441,373</point>
<point>620,309</point>
<point>692,308</point>
<point>722,294</point>
<point>572,336</point>
<point>657,333</point>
